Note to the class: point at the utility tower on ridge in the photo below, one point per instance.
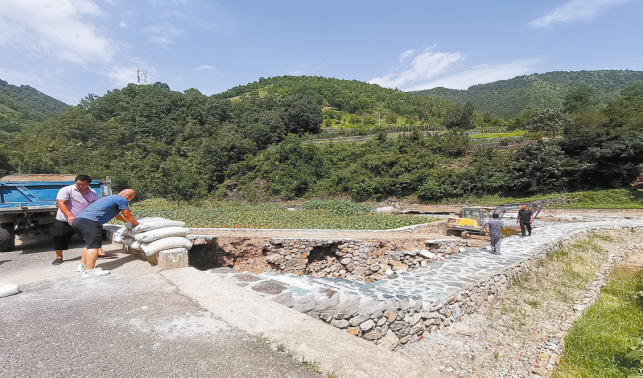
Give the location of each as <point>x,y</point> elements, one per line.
<point>141,76</point>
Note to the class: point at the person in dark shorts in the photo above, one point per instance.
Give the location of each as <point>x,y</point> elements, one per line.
<point>525,218</point>
<point>494,230</point>
<point>71,199</point>
<point>89,224</point>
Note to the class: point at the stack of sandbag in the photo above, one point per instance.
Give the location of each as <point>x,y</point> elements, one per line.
<point>124,236</point>
<point>153,235</point>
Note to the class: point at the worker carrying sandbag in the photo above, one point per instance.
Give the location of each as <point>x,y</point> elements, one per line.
<point>89,225</point>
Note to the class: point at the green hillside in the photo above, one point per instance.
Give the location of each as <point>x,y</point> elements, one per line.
<point>23,105</point>
<point>507,98</point>
<point>247,143</point>
<point>351,103</point>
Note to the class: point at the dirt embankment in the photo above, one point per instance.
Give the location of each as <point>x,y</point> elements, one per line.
<point>246,249</point>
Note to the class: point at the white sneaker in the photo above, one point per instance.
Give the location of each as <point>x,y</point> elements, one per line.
<point>81,268</point>
<point>96,272</point>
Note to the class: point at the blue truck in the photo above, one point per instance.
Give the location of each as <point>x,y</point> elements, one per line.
<point>28,203</point>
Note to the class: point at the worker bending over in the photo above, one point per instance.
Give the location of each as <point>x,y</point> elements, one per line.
<point>89,224</point>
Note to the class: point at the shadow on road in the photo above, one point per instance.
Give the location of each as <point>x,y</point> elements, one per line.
<point>115,264</point>
<point>4,261</point>
<point>43,243</point>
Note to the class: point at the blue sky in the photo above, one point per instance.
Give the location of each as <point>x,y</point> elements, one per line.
<point>69,48</point>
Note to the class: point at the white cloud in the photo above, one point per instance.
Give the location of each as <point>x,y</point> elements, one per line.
<point>54,27</point>
<point>423,68</point>
<point>203,67</point>
<point>482,74</point>
<point>122,24</point>
<point>405,55</point>
<point>431,47</point>
<point>443,69</point>
<point>163,34</point>
<point>575,10</point>
<point>123,75</point>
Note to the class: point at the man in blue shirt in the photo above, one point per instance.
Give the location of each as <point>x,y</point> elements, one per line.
<point>494,230</point>
<point>89,225</point>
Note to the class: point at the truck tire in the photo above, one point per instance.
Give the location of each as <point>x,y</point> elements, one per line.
<point>7,237</point>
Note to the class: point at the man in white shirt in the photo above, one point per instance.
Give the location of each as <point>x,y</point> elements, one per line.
<point>72,200</point>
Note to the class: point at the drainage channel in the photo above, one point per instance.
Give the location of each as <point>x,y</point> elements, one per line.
<point>400,308</point>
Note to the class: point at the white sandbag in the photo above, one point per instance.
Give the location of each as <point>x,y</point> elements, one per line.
<point>128,225</point>
<point>117,236</point>
<point>150,236</point>
<point>126,241</point>
<point>147,224</point>
<point>174,250</point>
<point>136,245</point>
<point>7,289</point>
<point>165,243</point>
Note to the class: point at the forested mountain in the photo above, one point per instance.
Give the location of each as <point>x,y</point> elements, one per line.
<point>187,145</point>
<point>24,104</point>
<point>350,102</point>
<point>163,143</point>
<point>507,98</point>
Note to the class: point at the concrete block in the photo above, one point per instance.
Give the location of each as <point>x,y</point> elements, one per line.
<point>303,300</point>
<point>427,254</point>
<point>285,298</point>
<point>348,303</point>
<point>172,260</point>
<point>325,298</point>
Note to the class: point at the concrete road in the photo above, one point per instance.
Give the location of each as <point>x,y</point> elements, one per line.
<point>132,323</point>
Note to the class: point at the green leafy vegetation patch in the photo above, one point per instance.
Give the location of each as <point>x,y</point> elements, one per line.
<point>335,214</point>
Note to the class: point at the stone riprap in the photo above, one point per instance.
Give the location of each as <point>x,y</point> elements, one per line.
<point>367,260</point>
<point>352,259</point>
<point>400,308</point>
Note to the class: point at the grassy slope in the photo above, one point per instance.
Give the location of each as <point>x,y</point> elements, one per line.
<point>506,98</point>
<point>600,199</point>
<point>596,345</point>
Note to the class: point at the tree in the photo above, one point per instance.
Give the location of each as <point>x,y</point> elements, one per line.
<point>585,129</point>
<point>5,167</point>
<point>301,114</point>
<point>579,98</point>
<point>546,121</point>
<point>540,168</point>
<point>460,117</point>
<point>626,112</point>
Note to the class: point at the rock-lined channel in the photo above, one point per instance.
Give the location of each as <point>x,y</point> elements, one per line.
<point>401,308</point>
